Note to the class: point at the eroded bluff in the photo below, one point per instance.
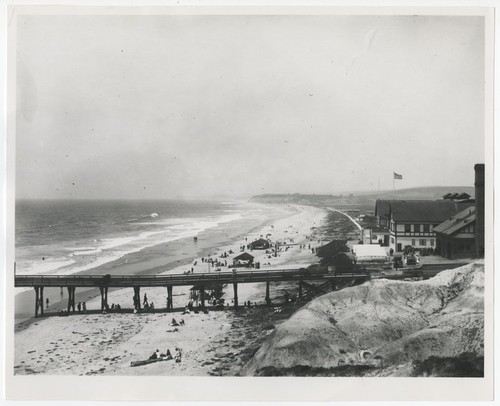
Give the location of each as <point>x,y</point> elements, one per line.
<point>383,327</point>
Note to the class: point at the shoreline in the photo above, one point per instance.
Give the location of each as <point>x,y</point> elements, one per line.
<point>140,262</point>
<point>136,334</point>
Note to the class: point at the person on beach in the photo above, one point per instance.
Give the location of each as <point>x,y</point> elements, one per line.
<point>145,302</point>
<point>84,307</point>
<point>167,356</point>
<point>178,355</point>
<point>47,303</point>
<point>79,307</point>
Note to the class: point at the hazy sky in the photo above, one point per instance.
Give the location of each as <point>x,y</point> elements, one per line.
<point>169,106</point>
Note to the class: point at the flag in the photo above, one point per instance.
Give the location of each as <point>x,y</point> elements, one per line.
<point>397,176</point>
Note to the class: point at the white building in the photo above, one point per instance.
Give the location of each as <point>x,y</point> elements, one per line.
<point>412,222</point>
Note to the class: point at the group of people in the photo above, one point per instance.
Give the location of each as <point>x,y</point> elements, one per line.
<point>175,323</point>
<point>81,307</point>
<point>215,262</point>
<point>167,355</point>
<point>191,307</point>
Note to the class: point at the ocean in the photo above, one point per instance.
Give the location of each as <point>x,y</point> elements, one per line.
<point>61,237</point>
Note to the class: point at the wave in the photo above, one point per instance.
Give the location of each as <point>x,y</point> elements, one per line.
<point>98,252</point>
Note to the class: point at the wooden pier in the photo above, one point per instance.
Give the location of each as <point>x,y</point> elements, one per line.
<point>303,276</point>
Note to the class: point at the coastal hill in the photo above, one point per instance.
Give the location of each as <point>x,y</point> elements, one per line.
<point>384,328</point>
<point>364,200</point>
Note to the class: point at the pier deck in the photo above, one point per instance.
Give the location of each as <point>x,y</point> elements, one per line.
<point>304,276</point>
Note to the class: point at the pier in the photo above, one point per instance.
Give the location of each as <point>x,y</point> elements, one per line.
<point>305,277</point>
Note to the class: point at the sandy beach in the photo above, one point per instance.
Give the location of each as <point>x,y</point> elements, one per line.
<point>217,343</point>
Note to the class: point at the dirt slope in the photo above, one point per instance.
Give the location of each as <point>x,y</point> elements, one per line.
<point>382,327</point>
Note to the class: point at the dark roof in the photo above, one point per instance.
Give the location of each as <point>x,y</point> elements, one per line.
<point>457,222</point>
<point>434,211</point>
<point>465,204</point>
<point>245,257</point>
<point>382,208</point>
<point>342,259</point>
<point>457,196</point>
<point>260,241</point>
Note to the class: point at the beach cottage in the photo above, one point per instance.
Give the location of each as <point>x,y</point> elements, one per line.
<point>260,244</point>
<point>244,259</point>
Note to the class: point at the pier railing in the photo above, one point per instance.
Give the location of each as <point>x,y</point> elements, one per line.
<point>240,276</point>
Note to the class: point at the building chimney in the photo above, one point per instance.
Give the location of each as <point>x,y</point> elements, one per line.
<point>479,185</point>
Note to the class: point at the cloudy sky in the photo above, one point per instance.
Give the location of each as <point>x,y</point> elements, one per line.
<point>171,106</point>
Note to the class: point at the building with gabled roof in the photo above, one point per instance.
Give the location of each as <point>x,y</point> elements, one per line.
<point>456,236</point>
<point>260,244</point>
<point>244,259</point>
<point>412,222</point>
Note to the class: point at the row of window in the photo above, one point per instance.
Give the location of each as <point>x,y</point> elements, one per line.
<point>423,242</point>
<point>415,228</point>
<point>469,228</point>
<point>418,228</point>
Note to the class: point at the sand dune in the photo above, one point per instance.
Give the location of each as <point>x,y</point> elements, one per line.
<point>380,328</point>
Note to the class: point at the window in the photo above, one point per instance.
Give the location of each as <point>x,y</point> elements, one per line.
<point>432,242</point>
<point>392,240</point>
<point>426,228</point>
<point>407,228</point>
<point>423,243</point>
<point>412,243</point>
<point>416,228</point>
<point>469,228</point>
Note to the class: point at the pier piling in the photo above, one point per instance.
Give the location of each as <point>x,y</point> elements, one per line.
<point>202,296</point>
<point>137,297</point>
<point>268,299</point>
<point>170,302</point>
<point>104,298</point>
<point>235,288</point>
<point>41,300</point>
<point>37,300</point>
<point>71,298</point>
